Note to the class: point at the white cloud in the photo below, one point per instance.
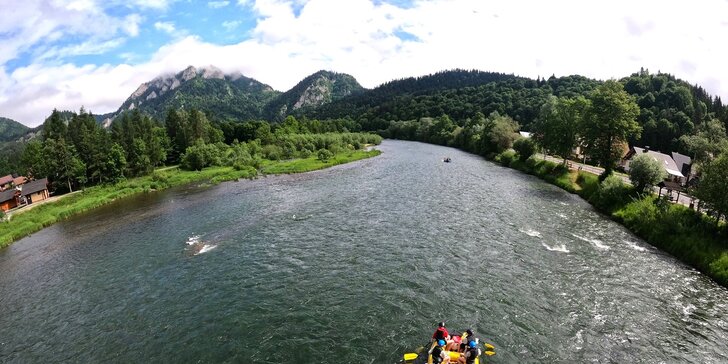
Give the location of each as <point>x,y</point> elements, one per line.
<point>37,23</point>
<point>599,40</point>
<point>167,27</point>
<point>217,4</point>
<point>231,25</point>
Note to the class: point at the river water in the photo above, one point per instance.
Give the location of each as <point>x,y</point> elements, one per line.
<point>354,264</point>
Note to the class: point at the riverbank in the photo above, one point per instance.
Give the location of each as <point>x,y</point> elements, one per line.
<point>24,223</point>
<point>690,236</point>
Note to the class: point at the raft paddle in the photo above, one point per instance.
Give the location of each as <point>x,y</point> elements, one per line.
<point>410,356</point>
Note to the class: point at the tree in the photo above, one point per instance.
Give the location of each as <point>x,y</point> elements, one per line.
<point>709,139</point>
<point>609,122</point>
<point>33,161</point>
<point>64,163</point>
<point>711,189</point>
<point>54,127</point>
<point>645,172</point>
<point>558,127</point>
<point>500,133</point>
<point>525,148</point>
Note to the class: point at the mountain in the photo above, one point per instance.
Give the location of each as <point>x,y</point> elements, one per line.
<point>221,96</point>
<point>315,90</point>
<point>11,130</point>
<point>457,93</point>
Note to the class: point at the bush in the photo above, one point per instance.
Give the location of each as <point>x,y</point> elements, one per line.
<point>201,155</point>
<point>525,148</point>
<point>613,193</point>
<point>645,172</point>
<point>506,158</point>
<point>324,155</point>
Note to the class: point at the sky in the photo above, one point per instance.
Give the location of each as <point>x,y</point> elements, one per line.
<point>66,54</point>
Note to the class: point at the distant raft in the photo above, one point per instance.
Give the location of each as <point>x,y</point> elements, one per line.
<point>447,160</point>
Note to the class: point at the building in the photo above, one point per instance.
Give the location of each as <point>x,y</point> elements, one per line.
<point>9,199</point>
<point>19,181</point>
<point>6,182</point>
<point>673,171</point>
<point>685,165</point>
<point>35,191</point>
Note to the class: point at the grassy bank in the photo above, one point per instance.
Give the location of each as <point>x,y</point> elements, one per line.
<point>24,223</point>
<point>690,236</point>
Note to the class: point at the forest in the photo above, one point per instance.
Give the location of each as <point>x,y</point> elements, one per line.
<point>77,152</point>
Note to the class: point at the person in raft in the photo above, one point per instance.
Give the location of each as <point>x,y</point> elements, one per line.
<point>441,333</point>
<point>469,336</point>
<point>439,355</point>
<point>470,354</point>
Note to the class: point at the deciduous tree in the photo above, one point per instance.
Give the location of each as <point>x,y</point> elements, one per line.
<point>609,122</point>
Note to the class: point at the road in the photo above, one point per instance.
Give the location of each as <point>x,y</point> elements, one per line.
<point>684,199</point>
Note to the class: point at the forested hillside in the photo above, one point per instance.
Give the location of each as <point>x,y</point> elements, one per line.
<point>11,130</point>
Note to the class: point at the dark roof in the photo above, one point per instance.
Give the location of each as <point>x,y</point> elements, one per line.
<point>7,195</point>
<point>35,186</point>
<point>664,160</point>
<point>670,185</point>
<point>6,179</point>
<point>683,162</point>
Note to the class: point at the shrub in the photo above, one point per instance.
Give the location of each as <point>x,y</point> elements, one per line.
<point>324,155</point>
<point>525,148</point>
<point>645,172</point>
<point>613,193</point>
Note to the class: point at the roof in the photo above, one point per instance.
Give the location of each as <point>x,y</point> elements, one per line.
<point>19,180</point>
<point>525,134</point>
<point>6,179</point>
<point>664,159</point>
<point>7,195</point>
<point>670,185</point>
<point>34,186</point>
<point>683,162</point>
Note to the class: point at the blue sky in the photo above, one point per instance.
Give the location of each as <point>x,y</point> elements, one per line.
<point>70,53</point>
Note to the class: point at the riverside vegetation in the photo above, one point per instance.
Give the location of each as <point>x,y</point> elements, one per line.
<point>606,120</point>
<point>289,147</point>
<point>447,108</point>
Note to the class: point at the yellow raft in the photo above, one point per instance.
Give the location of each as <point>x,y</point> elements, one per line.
<point>454,355</point>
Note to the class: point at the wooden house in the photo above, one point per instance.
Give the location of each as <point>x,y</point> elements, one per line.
<point>6,182</point>
<point>35,191</point>
<point>9,199</point>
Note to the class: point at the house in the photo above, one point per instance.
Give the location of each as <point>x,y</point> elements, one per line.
<point>35,191</point>
<point>525,134</point>
<point>6,182</point>
<point>18,181</point>
<point>9,199</point>
<point>666,161</point>
<point>684,165</point>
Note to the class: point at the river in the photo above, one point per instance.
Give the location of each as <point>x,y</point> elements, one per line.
<point>354,264</point>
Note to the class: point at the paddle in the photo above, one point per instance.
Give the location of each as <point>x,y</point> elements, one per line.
<point>410,356</point>
<point>489,349</point>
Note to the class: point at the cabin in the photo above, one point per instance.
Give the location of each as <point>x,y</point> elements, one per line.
<point>35,191</point>
<point>9,199</point>
<point>19,181</point>
<point>666,161</point>
<point>6,182</point>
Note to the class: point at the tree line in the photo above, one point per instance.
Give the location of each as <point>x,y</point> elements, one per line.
<point>601,123</point>
<point>74,151</point>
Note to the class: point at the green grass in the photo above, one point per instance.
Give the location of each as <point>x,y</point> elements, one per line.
<point>24,223</point>
<point>313,163</point>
